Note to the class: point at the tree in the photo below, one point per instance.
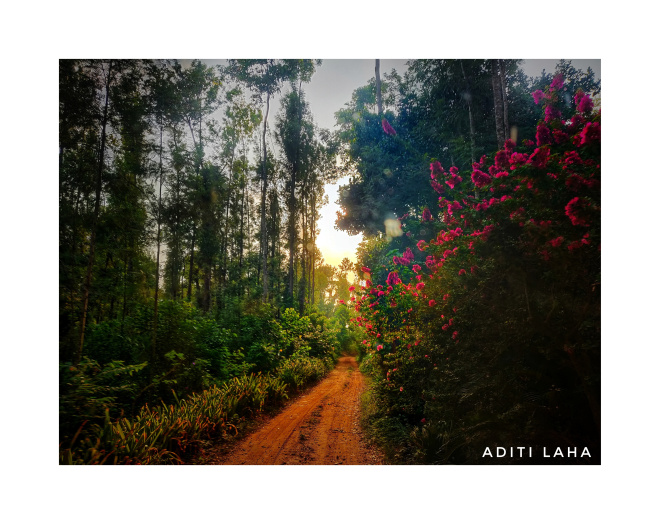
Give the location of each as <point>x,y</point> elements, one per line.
<point>265,77</point>
<point>108,77</point>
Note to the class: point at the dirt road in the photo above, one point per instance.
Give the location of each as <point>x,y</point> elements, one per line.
<point>320,427</point>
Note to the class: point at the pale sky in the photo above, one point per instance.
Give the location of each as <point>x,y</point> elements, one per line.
<point>330,89</point>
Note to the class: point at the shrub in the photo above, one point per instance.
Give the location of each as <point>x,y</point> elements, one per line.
<point>486,319</point>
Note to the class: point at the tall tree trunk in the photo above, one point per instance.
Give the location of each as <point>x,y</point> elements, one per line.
<point>225,237</point>
<point>264,187</point>
<point>497,97</point>
<point>468,96</point>
<point>379,98</point>
<point>97,209</point>
<point>160,195</point>
<point>192,259</point>
<point>292,233</point>
<point>302,285</point>
<point>505,104</point>
<point>241,235</point>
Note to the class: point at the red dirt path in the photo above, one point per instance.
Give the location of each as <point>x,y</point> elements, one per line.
<point>319,427</point>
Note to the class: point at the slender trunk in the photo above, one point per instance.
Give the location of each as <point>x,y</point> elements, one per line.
<point>302,290</point>
<point>497,97</point>
<point>313,262</point>
<point>240,242</point>
<point>192,259</point>
<point>468,94</point>
<point>505,104</point>
<point>225,237</point>
<point>97,209</point>
<point>379,98</point>
<point>160,195</point>
<point>264,187</point>
<point>292,233</point>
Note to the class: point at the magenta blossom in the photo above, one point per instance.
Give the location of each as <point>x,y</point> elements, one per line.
<point>452,206</point>
<point>538,96</point>
<point>543,135</point>
<point>590,133</point>
<point>539,157</point>
<point>453,180</point>
<point>557,82</point>
<point>480,178</point>
<point>585,105</point>
<point>573,211</point>
<point>552,113</point>
<point>437,187</point>
<point>389,130</point>
<point>426,215</point>
<point>436,169</point>
<point>556,242</point>
<point>393,279</point>
<point>501,160</point>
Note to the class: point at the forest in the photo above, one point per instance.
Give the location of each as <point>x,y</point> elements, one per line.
<point>193,295</point>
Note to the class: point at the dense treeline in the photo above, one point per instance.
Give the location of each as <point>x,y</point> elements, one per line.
<point>445,110</point>
<point>188,221</point>
<point>480,289</point>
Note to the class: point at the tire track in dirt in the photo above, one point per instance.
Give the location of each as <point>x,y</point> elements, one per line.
<point>320,427</point>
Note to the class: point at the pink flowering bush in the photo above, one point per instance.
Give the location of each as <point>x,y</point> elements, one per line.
<point>489,323</point>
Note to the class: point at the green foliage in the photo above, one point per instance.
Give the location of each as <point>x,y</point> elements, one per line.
<point>89,390</point>
<point>169,433</point>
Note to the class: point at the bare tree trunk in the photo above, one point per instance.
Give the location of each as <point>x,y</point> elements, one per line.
<point>190,271</point>
<point>97,209</point>
<point>497,97</point>
<point>505,104</point>
<point>264,233</point>
<point>160,194</point>
<point>225,239</point>
<point>241,236</point>
<point>473,148</point>
<point>292,233</point>
<point>379,98</point>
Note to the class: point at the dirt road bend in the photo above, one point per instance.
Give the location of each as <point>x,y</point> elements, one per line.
<point>319,427</point>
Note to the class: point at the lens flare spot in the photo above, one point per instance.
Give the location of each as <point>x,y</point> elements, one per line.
<point>514,134</point>
<point>393,228</point>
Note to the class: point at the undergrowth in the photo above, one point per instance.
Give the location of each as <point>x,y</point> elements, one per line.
<point>168,433</point>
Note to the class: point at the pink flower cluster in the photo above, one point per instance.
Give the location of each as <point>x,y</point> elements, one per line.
<point>480,178</point>
<point>393,279</point>
<point>436,169</point>
<point>540,157</point>
<point>389,130</point>
<point>590,133</point>
<point>543,135</point>
<point>574,209</point>
<point>453,180</point>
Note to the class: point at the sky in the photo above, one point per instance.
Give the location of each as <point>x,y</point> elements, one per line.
<point>330,88</point>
